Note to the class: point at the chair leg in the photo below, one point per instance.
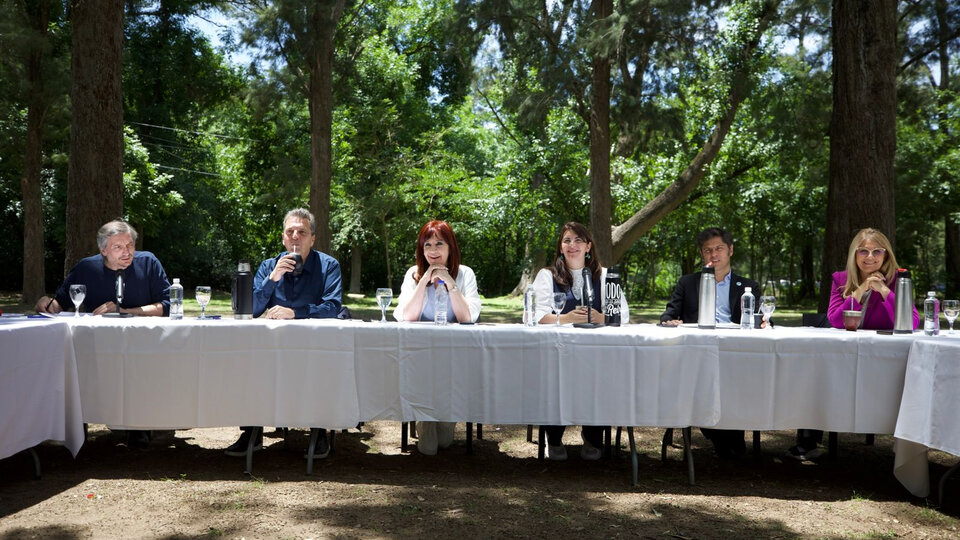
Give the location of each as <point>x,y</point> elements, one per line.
<point>403,436</point>
<point>633,456</point>
<point>607,446</point>
<point>541,442</point>
<point>314,435</point>
<point>756,445</point>
<point>617,442</point>
<point>530,433</point>
<point>833,444</point>
<point>469,438</point>
<point>869,439</point>
<point>667,441</point>
<point>254,435</point>
<point>943,482</point>
<point>688,453</point>
<point>479,431</point>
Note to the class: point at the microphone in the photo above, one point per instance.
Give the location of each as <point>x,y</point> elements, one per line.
<point>588,289</point>
<point>119,288</point>
<point>587,297</point>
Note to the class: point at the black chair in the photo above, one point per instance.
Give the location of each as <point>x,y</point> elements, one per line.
<point>816,320</point>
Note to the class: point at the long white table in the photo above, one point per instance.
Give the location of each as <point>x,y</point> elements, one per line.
<point>929,410</point>
<point>156,373</point>
<point>39,392</point>
<point>152,373</point>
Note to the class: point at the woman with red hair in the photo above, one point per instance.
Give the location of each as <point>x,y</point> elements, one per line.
<point>438,265</point>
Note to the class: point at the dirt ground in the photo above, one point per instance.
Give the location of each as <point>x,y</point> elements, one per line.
<point>183,486</point>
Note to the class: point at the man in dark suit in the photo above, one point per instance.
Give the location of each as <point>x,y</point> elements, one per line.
<point>716,248</point>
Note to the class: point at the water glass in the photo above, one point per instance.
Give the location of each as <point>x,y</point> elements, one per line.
<point>559,300</point>
<point>77,293</point>
<point>951,308</point>
<point>203,298</point>
<point>767,306</point>
<point>384,297</point>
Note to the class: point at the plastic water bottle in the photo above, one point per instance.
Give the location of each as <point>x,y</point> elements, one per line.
<point>746,309</point>
<point>530,306</point>
<point>176,300</point>
<point>440,306</point>
<point>931,314</point>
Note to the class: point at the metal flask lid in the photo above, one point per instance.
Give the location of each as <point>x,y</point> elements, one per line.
<point>243,266</point>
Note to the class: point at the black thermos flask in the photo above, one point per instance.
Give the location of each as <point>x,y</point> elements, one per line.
<point>242,291</point>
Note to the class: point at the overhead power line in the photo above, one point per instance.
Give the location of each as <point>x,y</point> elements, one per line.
<point>207,133</point>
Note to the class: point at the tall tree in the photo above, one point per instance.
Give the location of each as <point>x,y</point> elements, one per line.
<point>301,35</point>
<point>37,13</point>
<point>863,135</point>
<point>95,178</point>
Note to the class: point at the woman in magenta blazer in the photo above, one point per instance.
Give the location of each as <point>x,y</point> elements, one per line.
<point>870,274</point>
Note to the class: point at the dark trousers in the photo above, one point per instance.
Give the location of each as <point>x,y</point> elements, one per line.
<point>726,439</point>
<point>591,434</point>
<point>809,438</point>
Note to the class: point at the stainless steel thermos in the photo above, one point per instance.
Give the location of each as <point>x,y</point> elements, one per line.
<point>242,291</point>
<point>903,311</point>
<point>707,310</point>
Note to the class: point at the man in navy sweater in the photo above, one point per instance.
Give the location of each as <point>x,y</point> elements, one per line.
<point>146,289</point>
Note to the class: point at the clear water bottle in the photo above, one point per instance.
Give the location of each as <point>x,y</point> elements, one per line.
<point>530,306</point>
<point>176,300</point>
<point>746,309</point>
<point>440,305</point>
<point>931,314</point>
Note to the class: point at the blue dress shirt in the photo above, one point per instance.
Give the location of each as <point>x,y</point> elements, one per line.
<point>314,294</point>
<point>723,299</point>
<point>145,283</point>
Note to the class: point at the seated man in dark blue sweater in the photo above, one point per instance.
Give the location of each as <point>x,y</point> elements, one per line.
<point>300,283</point>
<point>146,291</point>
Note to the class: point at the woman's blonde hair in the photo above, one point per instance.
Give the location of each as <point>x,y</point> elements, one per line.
<point>888,268</point>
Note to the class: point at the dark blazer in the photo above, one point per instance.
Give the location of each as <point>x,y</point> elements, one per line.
<point>684,304</point>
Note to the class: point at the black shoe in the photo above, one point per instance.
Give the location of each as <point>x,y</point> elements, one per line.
<point>239,448</point>
<point>138,439</point>
<point>321,448</point>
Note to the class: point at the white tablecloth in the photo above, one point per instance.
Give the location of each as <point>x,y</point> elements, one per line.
<point>153,373</point>
<point>929,411</point>
<point>829,379</point>
<point>39,394</point>
<point>511,374</point>
<point>156,373</point>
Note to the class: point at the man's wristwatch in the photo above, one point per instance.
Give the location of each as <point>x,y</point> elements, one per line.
<point>453,288</point>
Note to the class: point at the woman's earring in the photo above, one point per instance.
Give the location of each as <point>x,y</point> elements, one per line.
<point>560,257</point>
<point>588,256</point>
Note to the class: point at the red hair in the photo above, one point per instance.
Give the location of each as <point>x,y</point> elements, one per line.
<point>442,230</point>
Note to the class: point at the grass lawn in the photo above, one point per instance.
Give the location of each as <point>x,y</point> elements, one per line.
<point>497,309</point>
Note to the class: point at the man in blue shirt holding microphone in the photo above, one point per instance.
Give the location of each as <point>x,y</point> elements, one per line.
<point>300,283</point>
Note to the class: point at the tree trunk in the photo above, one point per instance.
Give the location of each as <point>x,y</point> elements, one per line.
<point>625,234</point>
<point>356,258</point>
<point>952,263</point>
<point>863,135</point>
<point>601,206</point>
<point>30,184</point>
<point>324,20</point>
<point>95,177</point>
<point>951,247</point>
